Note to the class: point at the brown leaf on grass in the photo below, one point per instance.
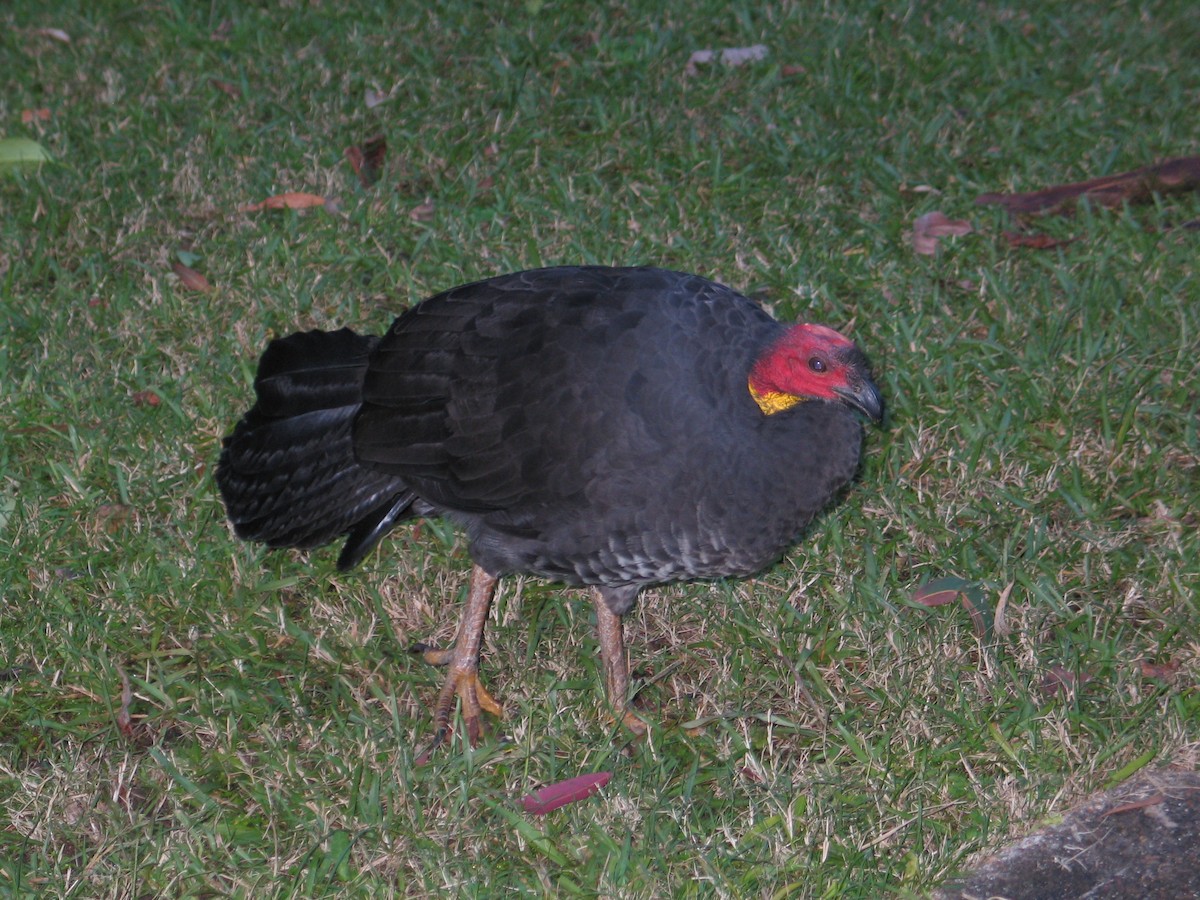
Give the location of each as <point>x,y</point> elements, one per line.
<point>227,88</point>
<point>950,589</point>
<point>373,98</point>
<point>1035,241</point>
<point>424,212</point>
<point>1173,176</point>
<point>1059,680</point>
<point>1164,671</point>
<point>112,517</point>
<point>146,398</point>
<point>48,427</point>
<point>792,70</point>
<point>135,732</point>
<point>561,793</point>
<point>124,717</point>
<point>290,200</point>
<point>937,593</point>
<point>367,160</point>
<point>931,227</point>
<point>29,116</point>
<point>1001,624</point>
<point>222,31</point>
<point>190,278</point>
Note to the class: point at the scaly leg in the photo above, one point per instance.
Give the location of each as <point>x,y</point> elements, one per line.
<point>610,629</point>
<point>462,680</point>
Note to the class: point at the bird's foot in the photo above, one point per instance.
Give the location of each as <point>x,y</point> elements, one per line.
<point>462,681</point>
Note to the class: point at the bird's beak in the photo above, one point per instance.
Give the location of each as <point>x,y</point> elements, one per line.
<point>864,397</point>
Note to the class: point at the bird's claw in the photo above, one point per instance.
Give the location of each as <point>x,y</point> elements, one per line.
<point>462,682</point>
<point>433,655</point>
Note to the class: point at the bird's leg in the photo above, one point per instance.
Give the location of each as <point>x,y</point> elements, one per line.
<point>610,629</point>
<point>463,659</point>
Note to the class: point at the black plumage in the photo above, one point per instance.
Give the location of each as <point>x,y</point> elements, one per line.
<point>585,424</point>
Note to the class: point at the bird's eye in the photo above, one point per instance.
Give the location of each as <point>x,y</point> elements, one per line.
<point>817,364</point>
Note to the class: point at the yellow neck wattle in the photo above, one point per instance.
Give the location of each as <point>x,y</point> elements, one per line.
<point>771,402</point>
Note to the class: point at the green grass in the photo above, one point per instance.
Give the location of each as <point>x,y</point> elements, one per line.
<point>820,737</point>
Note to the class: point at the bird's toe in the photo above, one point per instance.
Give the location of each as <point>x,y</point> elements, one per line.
<point>463,683</point>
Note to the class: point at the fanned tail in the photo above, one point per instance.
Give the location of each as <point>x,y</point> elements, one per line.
<point>288,473</point>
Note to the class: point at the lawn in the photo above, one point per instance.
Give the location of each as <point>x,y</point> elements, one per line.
<point>186,715</point>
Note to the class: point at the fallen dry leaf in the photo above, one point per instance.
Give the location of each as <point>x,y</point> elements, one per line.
<point>931,227</point>
<point>730,56</point>
<point>291,200</point>
<point>34,115</point>
<point>1035,241</point>
<point>367,160</point>
<point>190,278</point>
<point>1059,680</point>
<point>225,87</point>
<point>124,717</point>
<point>1164,671</point>
<point>354,155</point>
<point>373,98</point>
<point>146,398</point>
<point>136,732</point>
<point>1153,800</point>
<point>1001,623</point>
<point>52,427</point>
<point>1172,176</point>
<point>937,593</point>
<point>112,517</point>
<point>557,795</point>
<point>424,212</point>
<point>951,588</point>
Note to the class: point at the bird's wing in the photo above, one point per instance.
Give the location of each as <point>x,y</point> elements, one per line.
<point>524,390</point>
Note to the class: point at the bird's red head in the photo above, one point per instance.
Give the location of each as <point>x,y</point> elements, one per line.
<point>812,362</point>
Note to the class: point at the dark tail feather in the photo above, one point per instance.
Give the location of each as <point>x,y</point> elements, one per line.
<point>371,529</point>
<point>287,474</point>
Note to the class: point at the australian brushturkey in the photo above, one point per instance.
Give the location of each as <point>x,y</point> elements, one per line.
<point>614,428</point>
